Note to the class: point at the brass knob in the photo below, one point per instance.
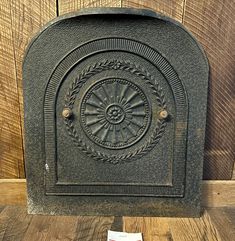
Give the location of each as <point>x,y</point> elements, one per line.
<point>67,112</point>
<point>163,114</point>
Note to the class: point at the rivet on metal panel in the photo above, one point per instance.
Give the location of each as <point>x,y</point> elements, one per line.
<point>67,112</point>
<point>163,114</point>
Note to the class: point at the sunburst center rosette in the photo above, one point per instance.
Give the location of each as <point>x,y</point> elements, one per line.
<point>115,113</point>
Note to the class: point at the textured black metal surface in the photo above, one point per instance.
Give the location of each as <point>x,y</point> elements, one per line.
<point>115,108</point>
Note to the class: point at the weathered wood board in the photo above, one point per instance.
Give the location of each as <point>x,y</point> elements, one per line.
<point>217,224</point>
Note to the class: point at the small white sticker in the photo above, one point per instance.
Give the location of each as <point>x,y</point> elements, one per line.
<point>122,236</point>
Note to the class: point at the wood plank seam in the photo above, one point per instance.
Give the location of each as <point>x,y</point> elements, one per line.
<point>184,8</point>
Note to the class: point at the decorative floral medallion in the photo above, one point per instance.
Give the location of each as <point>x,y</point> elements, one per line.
<point>115,113</point>
<point>105,115</point>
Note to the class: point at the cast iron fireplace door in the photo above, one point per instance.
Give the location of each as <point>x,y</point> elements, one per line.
<point>115,113</point>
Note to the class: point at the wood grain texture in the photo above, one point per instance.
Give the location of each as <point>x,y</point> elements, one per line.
<point>218,193</point>
<point>67,227</point>
<point>233,177</point>
<point>19,21</point>
<point>173,229</point>
<point>213,24</point>
<point>16,224</point>
<point>12,191</point>
<point>2,207</point>
<point>214,194</point>
<point>64,228</point>
<point>93,228</point>
<point>39,228</point>
<point>11,148</point>
<point>172,8</point>
<point>66,6</point>
<point>224,221</point>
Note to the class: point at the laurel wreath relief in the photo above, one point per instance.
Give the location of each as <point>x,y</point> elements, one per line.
<point>115,65</point>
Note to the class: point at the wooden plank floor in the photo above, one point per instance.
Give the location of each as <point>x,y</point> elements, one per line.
<point>216,224</point>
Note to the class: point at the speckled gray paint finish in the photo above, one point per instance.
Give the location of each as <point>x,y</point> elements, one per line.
<point>63,176</point>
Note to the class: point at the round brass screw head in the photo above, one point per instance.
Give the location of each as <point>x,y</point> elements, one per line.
<point>66,113</point>
<point>163,114</point>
